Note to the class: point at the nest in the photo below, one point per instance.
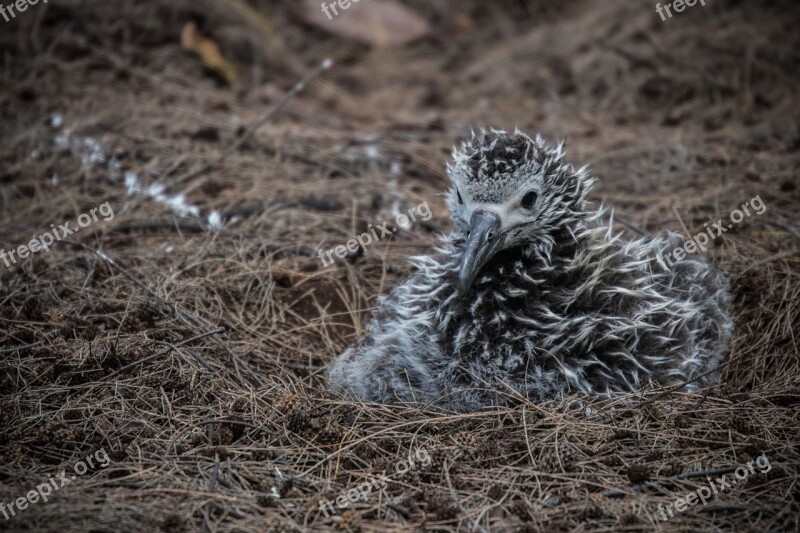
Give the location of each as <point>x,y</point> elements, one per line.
<point>188,339</point>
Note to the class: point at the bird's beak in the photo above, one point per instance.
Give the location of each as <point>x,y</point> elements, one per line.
<point>485,239</point>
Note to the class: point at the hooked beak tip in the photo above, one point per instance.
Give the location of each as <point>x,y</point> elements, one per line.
<point>483,241</point>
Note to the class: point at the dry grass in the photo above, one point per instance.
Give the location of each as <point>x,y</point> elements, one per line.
<point>195,357</point>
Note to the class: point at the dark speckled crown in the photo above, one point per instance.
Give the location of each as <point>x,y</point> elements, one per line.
<point>494,163</point>
<point>497,153</point>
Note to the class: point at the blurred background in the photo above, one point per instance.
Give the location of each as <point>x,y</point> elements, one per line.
<point>234,139</point>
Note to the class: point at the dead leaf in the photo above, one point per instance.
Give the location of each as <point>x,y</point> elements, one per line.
<point>208,51</point>
<point>376,22</point>
<point>461,24</point>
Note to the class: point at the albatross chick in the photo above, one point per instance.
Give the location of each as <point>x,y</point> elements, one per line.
<point>534,294</point>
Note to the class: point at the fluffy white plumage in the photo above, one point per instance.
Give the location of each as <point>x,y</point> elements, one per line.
<point>534,292</point>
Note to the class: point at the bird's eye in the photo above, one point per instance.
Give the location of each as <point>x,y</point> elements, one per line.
<point>529,200</point>
<point>460,200</point>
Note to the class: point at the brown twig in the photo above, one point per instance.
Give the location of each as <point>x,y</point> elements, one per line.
<point>616,493</point>
<point>236,144</point>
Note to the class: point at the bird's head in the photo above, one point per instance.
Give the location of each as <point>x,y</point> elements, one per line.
<point>511,191</point>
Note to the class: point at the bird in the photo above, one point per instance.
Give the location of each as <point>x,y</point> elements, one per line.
<point>534,296</point>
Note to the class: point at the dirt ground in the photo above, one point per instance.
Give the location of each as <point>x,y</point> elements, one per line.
<point>184,332</point>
